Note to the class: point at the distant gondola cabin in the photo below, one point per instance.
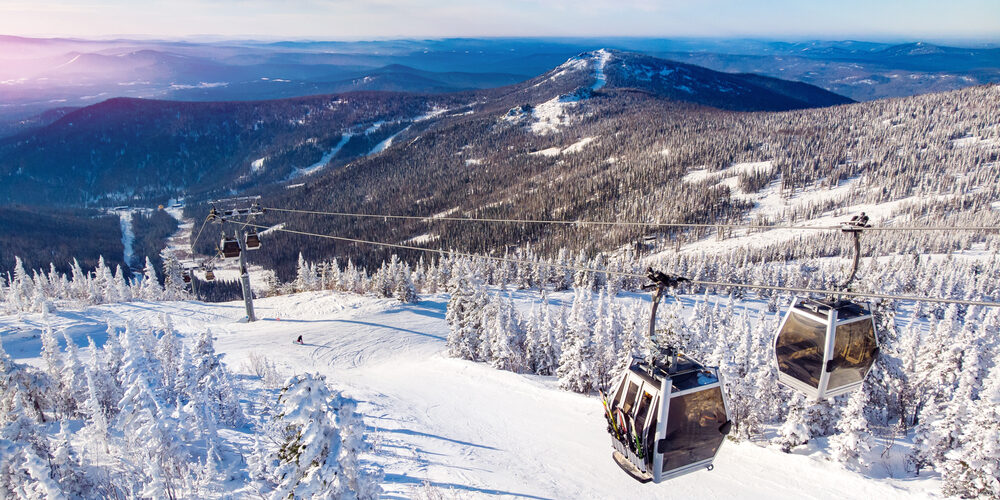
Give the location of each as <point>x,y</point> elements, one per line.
<point>252,240</point>
<point>665,423</point>
<point>230,247</point>
<point>825,349</point>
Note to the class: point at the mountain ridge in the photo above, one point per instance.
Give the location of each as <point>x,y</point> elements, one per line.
<point>125,148</point>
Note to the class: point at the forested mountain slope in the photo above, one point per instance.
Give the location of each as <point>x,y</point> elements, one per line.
<point>617,154</point>
<point>126,149</point>
<point>136,150</point>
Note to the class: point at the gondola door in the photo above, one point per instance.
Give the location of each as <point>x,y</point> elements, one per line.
<point>663,409</point>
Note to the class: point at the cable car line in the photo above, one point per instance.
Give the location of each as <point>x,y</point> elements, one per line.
<point>628,223</point>
<point>667,414</point>
<point>720,284</point>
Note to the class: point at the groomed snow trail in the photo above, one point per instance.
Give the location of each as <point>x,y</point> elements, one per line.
<point>462,426</point>
<point>128,236</point>
<point>599,64</point>
<point>316,167</point>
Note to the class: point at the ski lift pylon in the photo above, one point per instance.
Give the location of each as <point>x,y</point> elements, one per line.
<point>667,416</point>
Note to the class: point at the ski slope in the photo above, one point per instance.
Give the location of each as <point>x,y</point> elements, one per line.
<point>468,429</point>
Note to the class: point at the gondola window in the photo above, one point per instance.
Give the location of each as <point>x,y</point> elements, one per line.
<point>693,428</point>
<point>853,351</point>
<point>800,348</point>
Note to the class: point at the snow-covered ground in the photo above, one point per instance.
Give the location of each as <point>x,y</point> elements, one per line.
<point>460,425</point>
<point>770,203</point>
<point>316,167</point>
<point>128,236</point>
<point>601,60</point>
<point>576,147</point>
<point>553,114</point>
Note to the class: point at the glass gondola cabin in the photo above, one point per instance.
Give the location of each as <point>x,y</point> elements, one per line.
<point>825,349</point>
<point>665,424</point>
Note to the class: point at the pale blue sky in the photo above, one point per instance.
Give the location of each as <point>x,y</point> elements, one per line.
<point>351,19</point>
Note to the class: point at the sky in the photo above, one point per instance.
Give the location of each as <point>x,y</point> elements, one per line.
<point>379,19</point>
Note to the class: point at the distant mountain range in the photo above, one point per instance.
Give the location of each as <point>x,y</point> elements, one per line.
<point>37,75</point>
<point>603,135</point>
<point>127,150</point>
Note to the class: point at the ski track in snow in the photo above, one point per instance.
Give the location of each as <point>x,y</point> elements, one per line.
<point>467,428</point>
<point>128,236</point>
<point>316,167</point>
<point>385,143</point>
<point>599,64</point>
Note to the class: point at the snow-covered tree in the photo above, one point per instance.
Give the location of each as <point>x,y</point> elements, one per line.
<point>305,276</point>
<point>73,380</point>
<point>67,467</point>
<point>576,362</point>
<point>853,440</point>
<point>506,336</point>
<point>405,291</point>
<point>173,281</point>
<point>149,288</point>
<point>319,447</point>
<point>972,470</point>
<point>465,317</point>
<point>795,430</point>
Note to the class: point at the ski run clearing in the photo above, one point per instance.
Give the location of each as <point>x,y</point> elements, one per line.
<point>468,430</point>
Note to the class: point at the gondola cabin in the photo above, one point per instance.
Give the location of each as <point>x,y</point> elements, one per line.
<point>230,247</point>
<point>825,349</point>
<point>252,240</point>
<point>209,275</point>
<point>666,423</point>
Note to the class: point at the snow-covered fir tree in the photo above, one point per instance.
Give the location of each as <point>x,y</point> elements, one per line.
<point>575,363</point>
<point>972,469</point>
<point>319,446</point>
<point>853,440</point>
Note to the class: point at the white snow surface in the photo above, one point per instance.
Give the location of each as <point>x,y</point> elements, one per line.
<point>576,147</point>
<point>553,151</point>
<point>257,164</point>
<point>385,143</point>
<point>421,239</point>
<point>316,167</point>
<point>964,142</point>
<point>128,236</point>
<point>571,65</point>
<point>600,61</point>
<point>771,204</point>
<point>550,115</point>
<point>468,429</point>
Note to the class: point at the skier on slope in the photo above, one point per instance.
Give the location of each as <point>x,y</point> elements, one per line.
<point>299,340</point>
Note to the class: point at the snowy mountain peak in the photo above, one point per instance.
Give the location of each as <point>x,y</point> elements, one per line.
<point>585,61</point>
<point>609,70</point>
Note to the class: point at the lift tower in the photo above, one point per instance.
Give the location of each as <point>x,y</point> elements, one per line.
<point>241,212</point>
